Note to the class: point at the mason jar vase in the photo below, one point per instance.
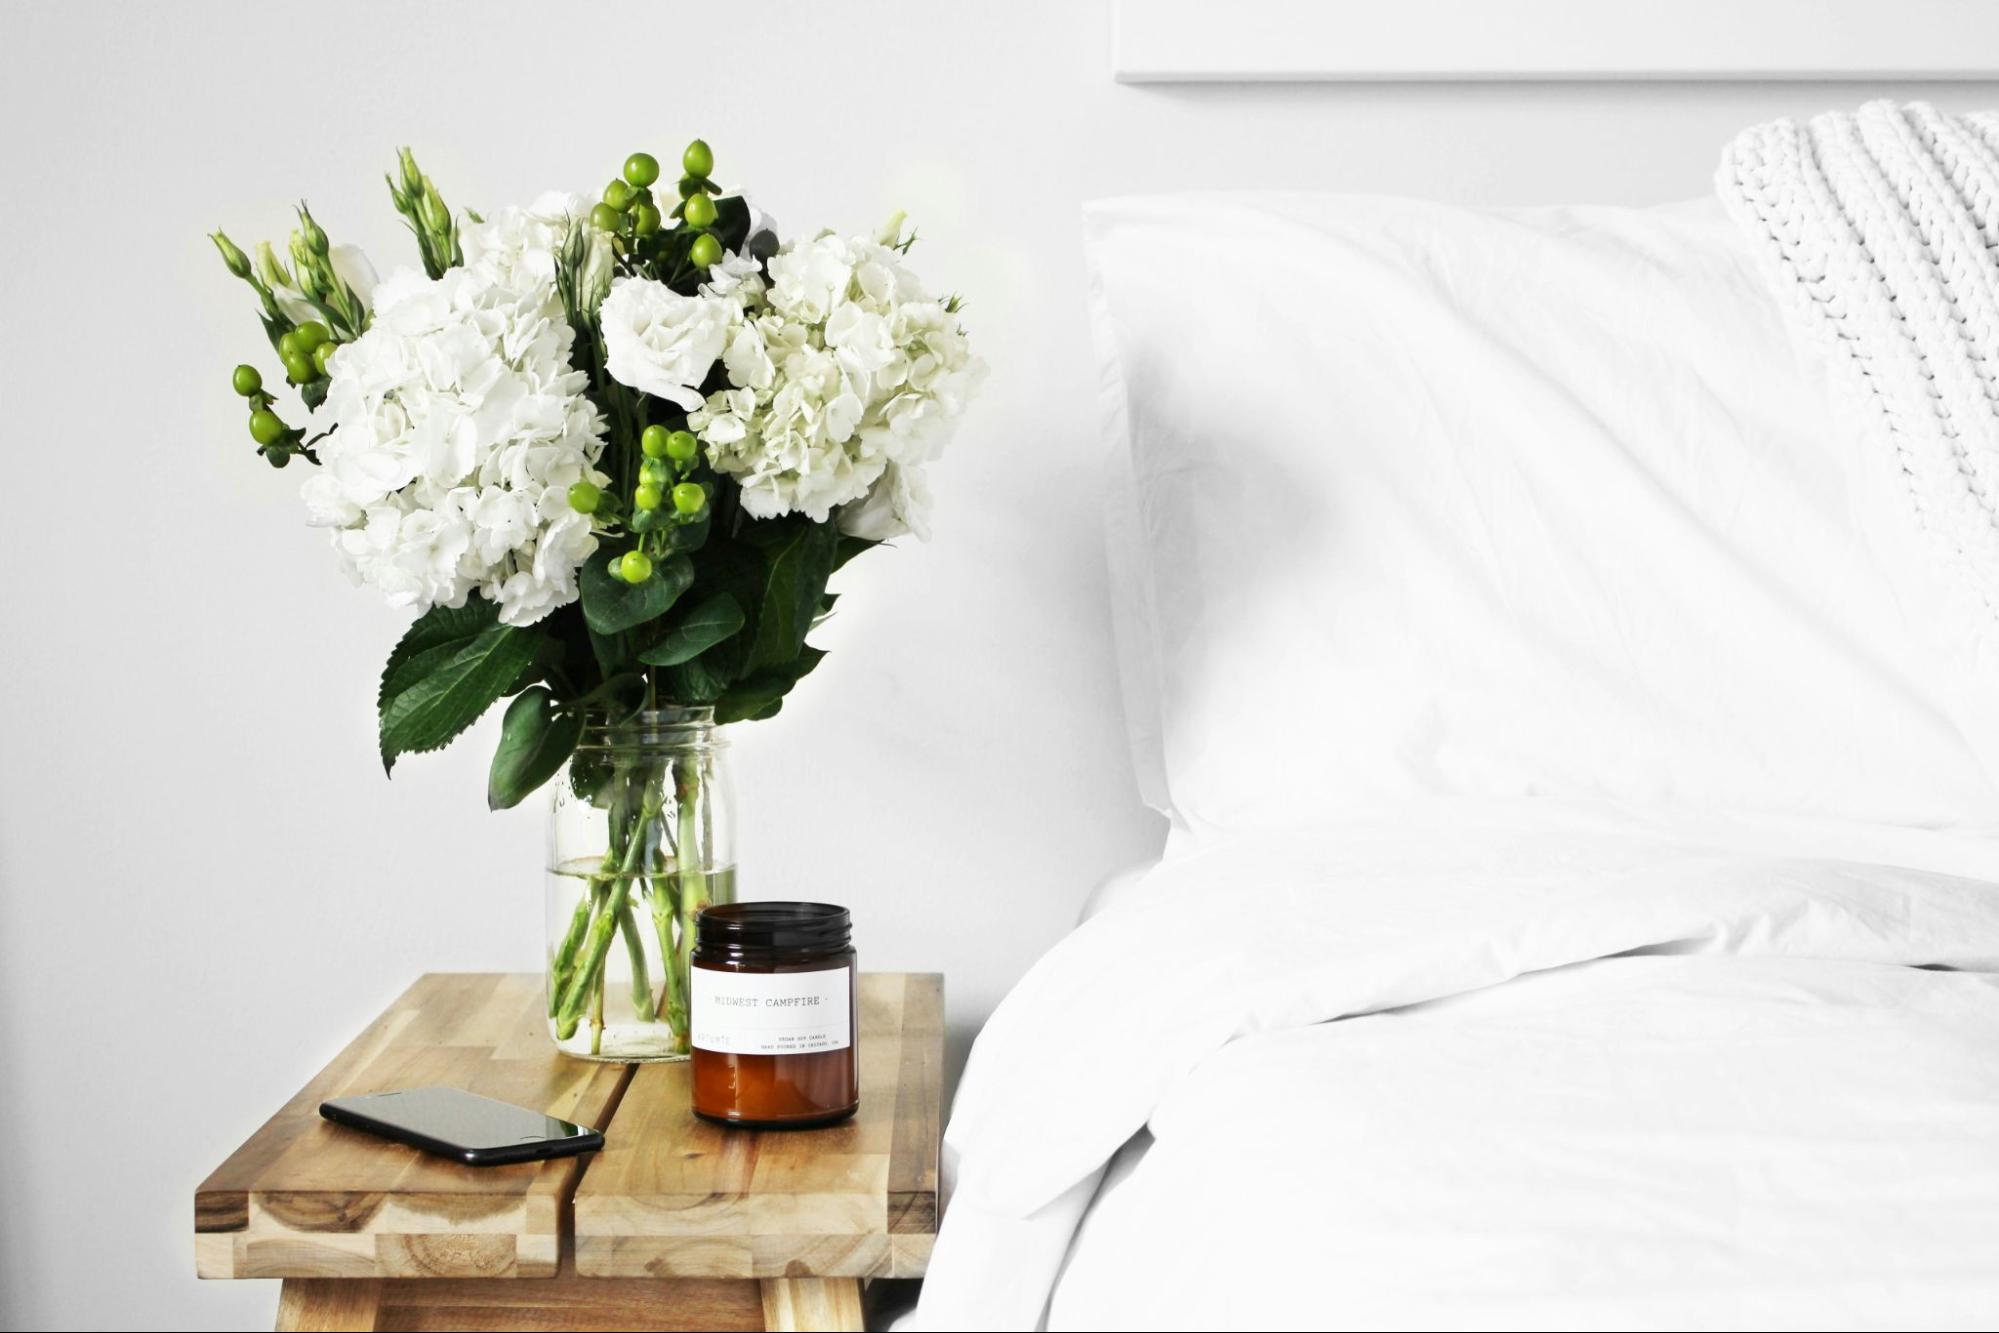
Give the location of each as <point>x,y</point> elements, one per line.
<point>640,839</point>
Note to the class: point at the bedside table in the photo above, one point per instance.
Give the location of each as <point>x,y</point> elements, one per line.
<point>676,1223</point>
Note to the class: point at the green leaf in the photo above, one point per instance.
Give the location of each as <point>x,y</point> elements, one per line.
<point>849,547</point>
<point>446,671</point>
<point>701,679</point>
<point>699,630</point>
<point>797,569</point>
<point>612,606</point>
<point>761,694</point>
<point>534,741</point>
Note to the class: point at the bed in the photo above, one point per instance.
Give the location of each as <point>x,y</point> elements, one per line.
<point>1582,902</point>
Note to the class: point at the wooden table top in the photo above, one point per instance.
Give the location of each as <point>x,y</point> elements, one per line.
<point>669,1195</point>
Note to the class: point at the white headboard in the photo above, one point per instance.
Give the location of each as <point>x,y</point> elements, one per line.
<point>1223,40</point>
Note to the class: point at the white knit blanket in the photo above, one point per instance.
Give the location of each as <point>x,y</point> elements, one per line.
<point>1881,231</point>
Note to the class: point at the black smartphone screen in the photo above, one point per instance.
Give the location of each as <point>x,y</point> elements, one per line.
<point>457,1124</point>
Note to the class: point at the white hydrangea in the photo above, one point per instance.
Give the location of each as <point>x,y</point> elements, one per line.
<point>845,377</point>
<point>516,247</point>
<point>460,427</point>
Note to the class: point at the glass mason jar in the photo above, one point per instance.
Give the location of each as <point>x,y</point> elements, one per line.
<point>640,839</point>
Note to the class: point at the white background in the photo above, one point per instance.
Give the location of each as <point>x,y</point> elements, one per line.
<point>207,884</point>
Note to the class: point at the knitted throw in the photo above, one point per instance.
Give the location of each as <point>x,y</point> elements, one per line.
<point>1881,232</point>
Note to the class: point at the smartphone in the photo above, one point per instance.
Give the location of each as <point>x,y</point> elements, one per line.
<point>451,1122</point>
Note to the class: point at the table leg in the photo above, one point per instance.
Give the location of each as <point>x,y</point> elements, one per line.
<point>812,1303</point>
<point>316,1304</point>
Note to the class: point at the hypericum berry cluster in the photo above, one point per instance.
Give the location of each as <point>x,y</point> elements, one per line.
<point>629,213</point>
<point>276,441</point>
<point>664,497</point>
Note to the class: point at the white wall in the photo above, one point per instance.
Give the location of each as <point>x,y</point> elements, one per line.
<point>208,885</point>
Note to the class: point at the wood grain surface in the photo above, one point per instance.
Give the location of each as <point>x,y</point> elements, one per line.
<point>307,1199</point>
<point>674,1196</point>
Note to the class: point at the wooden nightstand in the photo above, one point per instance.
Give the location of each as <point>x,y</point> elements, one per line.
<point>675,1224</point>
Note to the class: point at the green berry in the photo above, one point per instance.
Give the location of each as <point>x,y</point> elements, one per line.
<point>652,443</point>
<point>653,473</point>
<point>681,446</point>
<point>689,498</point>
<point>699,159</point>
<point>604,217</point>
<point>645,219</point>
<point>706,251</point>
<point>266,427</point>
<point>641,169</point>
<point>291,345</point>
<point>299,368</point>
<point>618,195</point>
<point>585,496</point>
<point>246,380</point>
<point>634,567</point>
<point>311,335</point>
<point>646,497</point>
<point>699,210</point>
<point>323,354</point>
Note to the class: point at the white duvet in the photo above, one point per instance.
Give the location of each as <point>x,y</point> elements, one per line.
<point>1507,1065</point>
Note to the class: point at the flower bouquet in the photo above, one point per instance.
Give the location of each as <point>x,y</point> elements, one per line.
<point>610,451</point>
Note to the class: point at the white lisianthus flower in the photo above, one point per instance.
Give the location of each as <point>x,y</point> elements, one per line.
<point>459,427</point>
<point>660,342</point>
<point>845,378</point>
<point>350,265</point>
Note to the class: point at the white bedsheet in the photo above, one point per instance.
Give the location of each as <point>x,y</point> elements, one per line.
<point>1639,1073</point>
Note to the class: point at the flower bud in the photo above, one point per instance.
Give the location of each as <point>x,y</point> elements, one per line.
<point>412,178</point>
<point>891,232</point>
<point>600,267</point>
<point>302,255</point>
<point>238,262</point>
<point>315,235</point>
<point>435,215</point>
<point>270,269</point>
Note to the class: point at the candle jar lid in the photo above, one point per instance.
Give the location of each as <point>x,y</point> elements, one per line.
<point>740,930</point>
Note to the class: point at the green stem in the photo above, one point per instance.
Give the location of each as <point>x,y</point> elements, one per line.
<point>579,921</point>
<point>635,950</point>
<point>665,907</point>
<point>597,940</point>
<point>692,879</point>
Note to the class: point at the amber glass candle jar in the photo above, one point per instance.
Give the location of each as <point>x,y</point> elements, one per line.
<point>771,1006</point>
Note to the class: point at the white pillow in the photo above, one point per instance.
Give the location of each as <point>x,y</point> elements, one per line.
<point>1418,499</point>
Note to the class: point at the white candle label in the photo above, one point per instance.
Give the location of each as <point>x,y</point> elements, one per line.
<point>771,1013</point>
